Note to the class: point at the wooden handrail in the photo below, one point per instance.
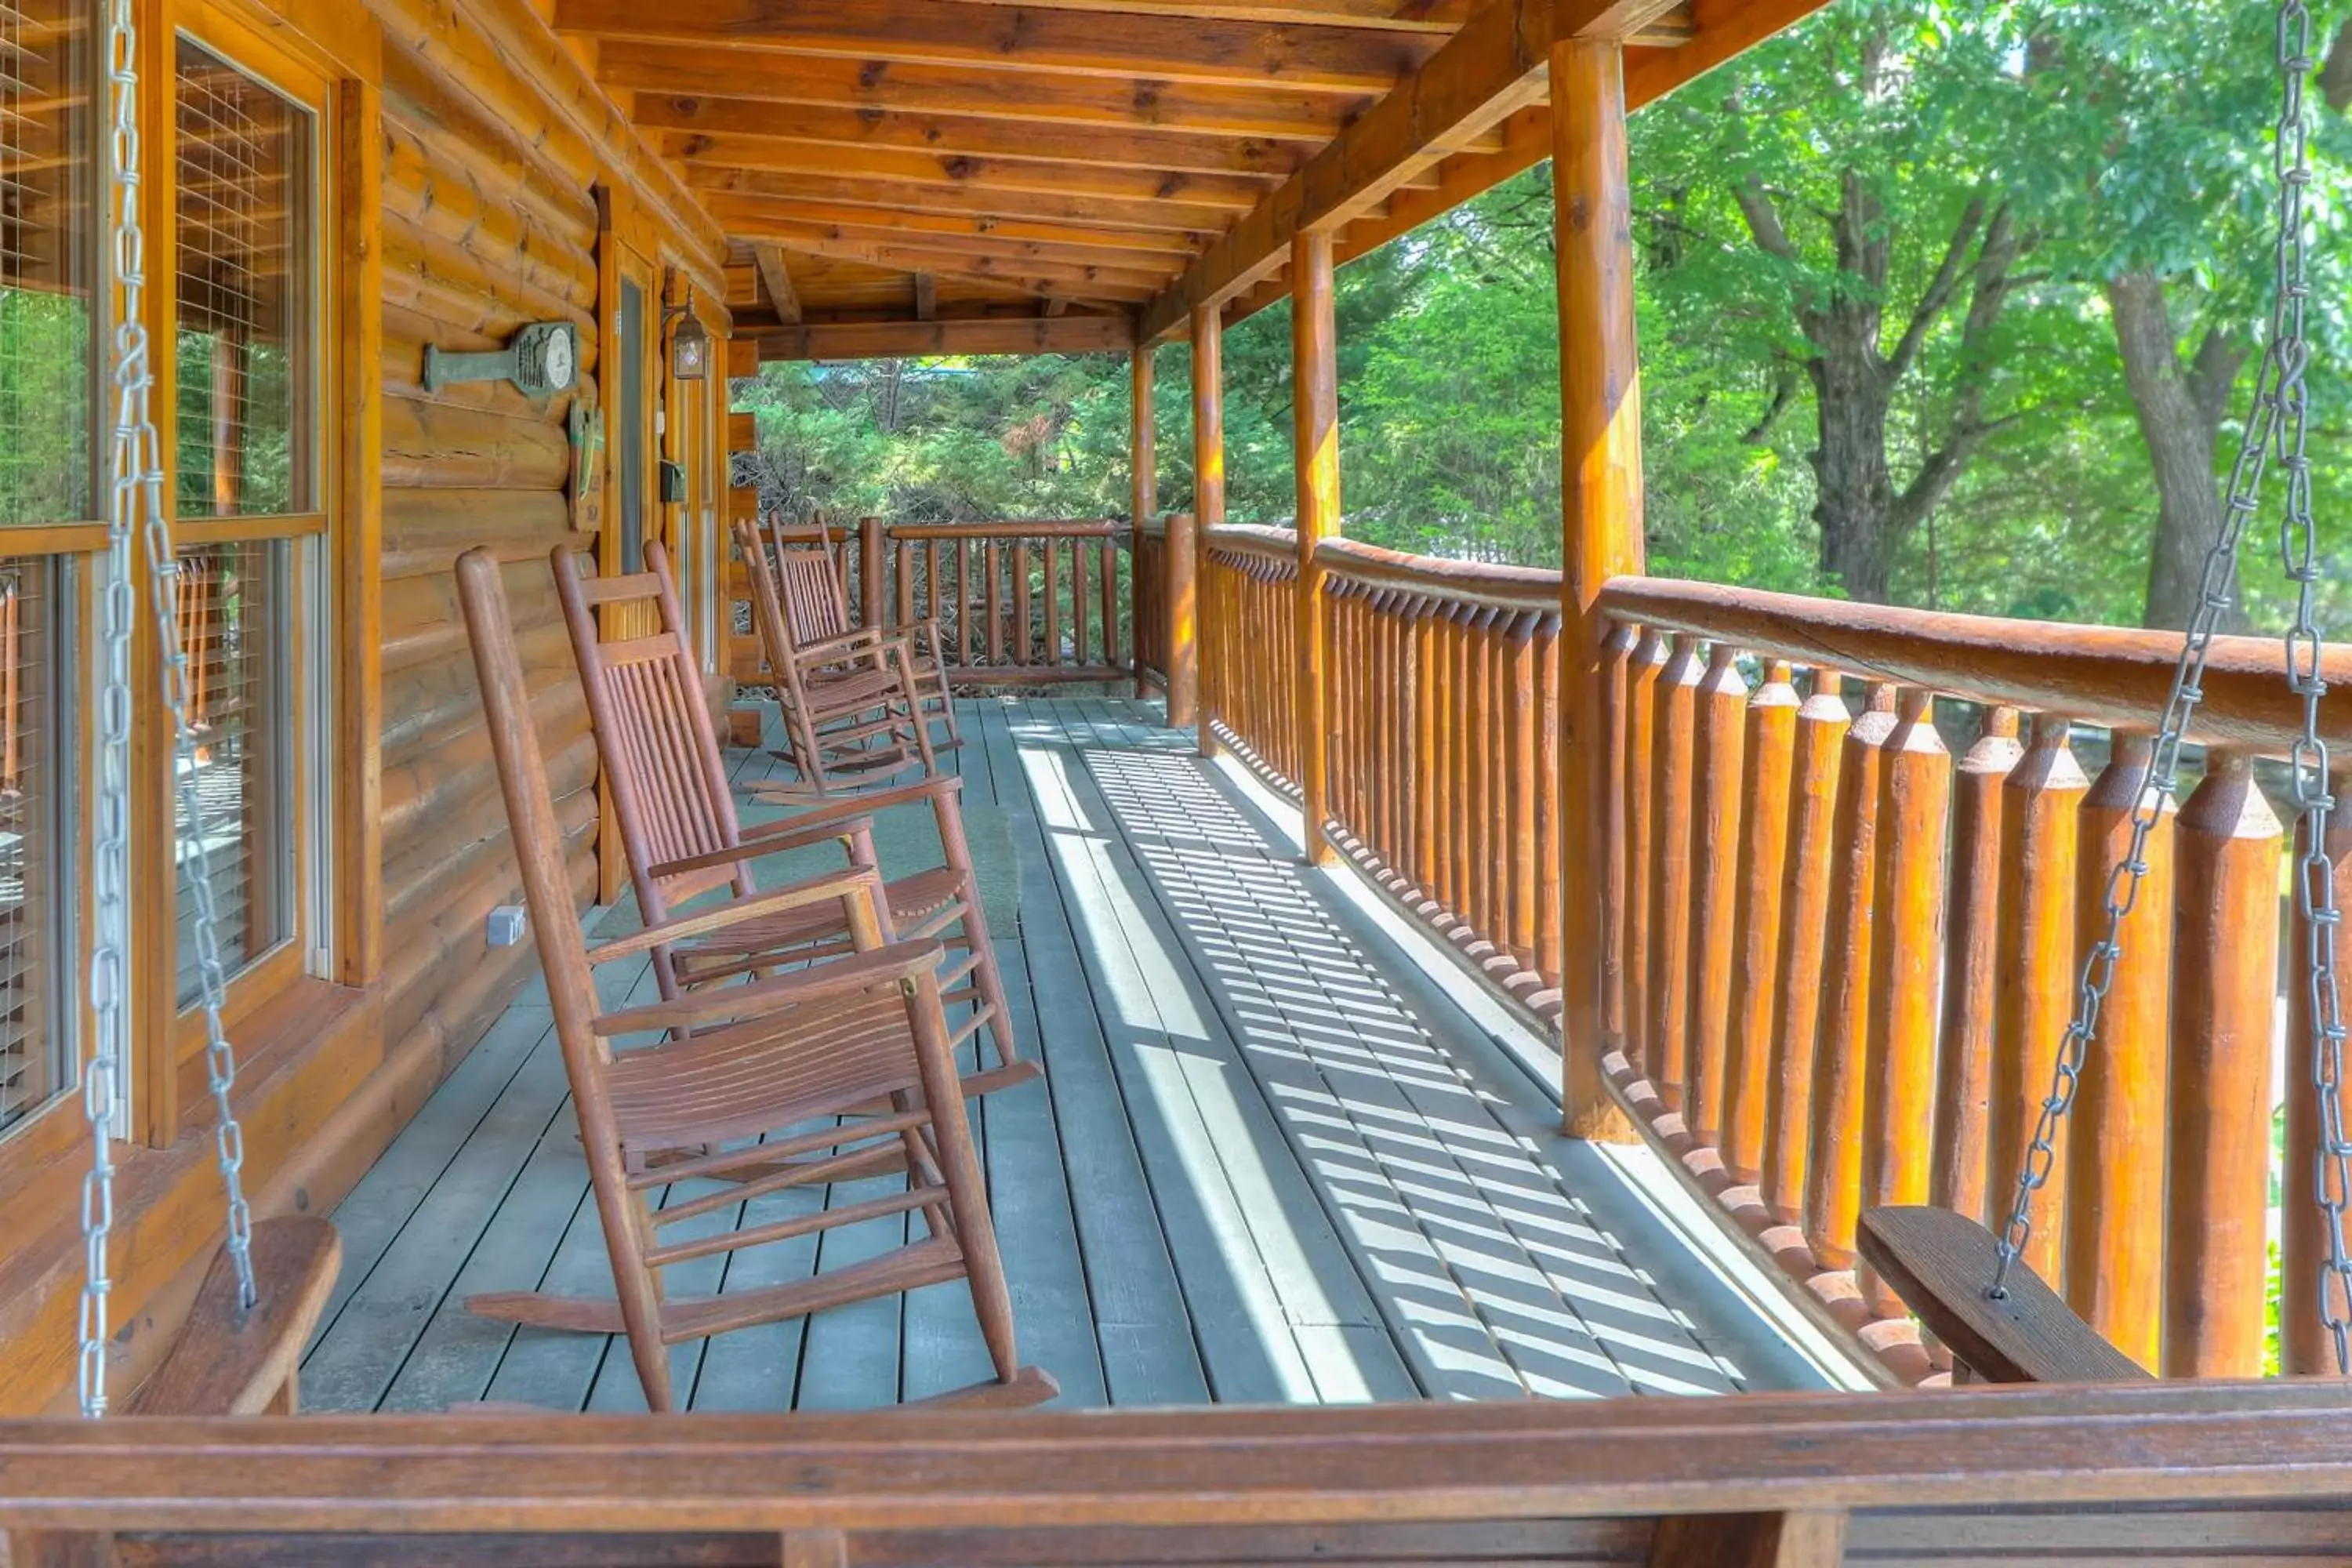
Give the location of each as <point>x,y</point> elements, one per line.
<point>1013,528</point>
<point>2101,675</point>
<point>1520,589</point>
<point>1255,540</point>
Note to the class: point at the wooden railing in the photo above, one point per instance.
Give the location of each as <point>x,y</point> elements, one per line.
<point>1016,601</point>
<point>1443,749</point>
<point>1849,861</point>
<point>1853,861</point>
<point>1148,616</point>
<point>1249,641</point>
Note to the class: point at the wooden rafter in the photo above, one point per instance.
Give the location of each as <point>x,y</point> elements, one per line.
<point>927,298</point>
<point>1001,237</point>
<point>776,278</point>
<point>1151,148</point>
<point>875,340</point>
<point>1026,275</point>
<point>1172,200</point>
<point>1493,68</point>
<point>1404,15</point>
<point>1083,215</point>
<point>1243,53</point>
<point>1277,114</point>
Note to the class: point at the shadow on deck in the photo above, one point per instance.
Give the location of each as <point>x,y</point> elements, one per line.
<point>1271,1161</point>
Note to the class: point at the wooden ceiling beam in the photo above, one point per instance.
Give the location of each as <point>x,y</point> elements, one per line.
<point>776,281</point>
<point>1003,237</point>
<point>1174,200</point>
<point>921,131</point>
<point>894,340</point>
<point>927,298</point>
<point>1438,16</point>
<point>1027,276</point>
<point>1493,68</point>
<point>1197,225</point>
<point>1239,53</point>
<point>700,70</point>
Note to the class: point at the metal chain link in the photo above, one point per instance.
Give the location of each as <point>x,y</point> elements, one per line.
<point>135,505</point>
<point>2275,422</point>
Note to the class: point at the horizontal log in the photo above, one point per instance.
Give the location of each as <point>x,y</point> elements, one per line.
<point>878,340</point>
<point>2177,1443</point>
<point>433,705</point>
<point>422,620</point>
<point>469,822</point>
<point>444,281</point>
<point>502,236</point>
<point>433,446</point>
<point>1514,588</point>
<point>424,103</point>
<point>2100,675</point>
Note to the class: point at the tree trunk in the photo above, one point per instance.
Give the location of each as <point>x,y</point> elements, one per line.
<point>2180,411</point>
<point>1853,493</point>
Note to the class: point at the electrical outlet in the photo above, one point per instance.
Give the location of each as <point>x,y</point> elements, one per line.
<point>507,925</point>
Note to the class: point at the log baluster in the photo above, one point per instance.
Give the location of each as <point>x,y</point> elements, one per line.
<point>1526,786</point>
<point>1456,784</point>
<point>993,593</point>
<point>1053,570</point>
<point>967,608</point>
<point>1964,1080</point>
<point>1024,625</point>
<point>1759,918</point>
<point>1430,706</point>
<point>2035,977</point>
<point>1081,629</point>
<point>1644,671</point>
<point>1548,814</point>
<point>1718,761</point>
<point>1843,1049</point>
<point>2306,1347</point>
<point>1106,560</point>
<point>1899,1092</point>
<point>2225,946</point>
<point>902,564</point>
<point>2114,1178</point>
<point>1673,740</point>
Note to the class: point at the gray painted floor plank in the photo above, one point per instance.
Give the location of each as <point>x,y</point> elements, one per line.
<point>1254,1169</point>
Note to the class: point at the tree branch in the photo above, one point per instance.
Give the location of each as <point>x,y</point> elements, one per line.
<point>2213,372</point>
<point>1763,220</point>
<point>1784,395</point>
<point>1939,290</point>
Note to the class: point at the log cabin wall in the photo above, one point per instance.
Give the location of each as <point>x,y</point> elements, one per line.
<point>484,144</point>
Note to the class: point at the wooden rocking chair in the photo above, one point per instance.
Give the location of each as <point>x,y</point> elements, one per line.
<point>679,829</point>
<point>853,706</point>
<point>763,1057</point>
<point>816,611</point>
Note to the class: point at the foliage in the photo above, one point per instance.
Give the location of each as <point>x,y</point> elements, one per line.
<point>2121,135</point>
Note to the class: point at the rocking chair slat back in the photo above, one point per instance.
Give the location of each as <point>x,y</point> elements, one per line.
<point>669,780</point>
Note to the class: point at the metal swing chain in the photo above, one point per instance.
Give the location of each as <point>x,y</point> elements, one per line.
<point>2275,424</point>
<point>135,504</point>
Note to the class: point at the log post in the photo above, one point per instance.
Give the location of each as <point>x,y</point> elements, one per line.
<point>2114,1186</point>
<point>1600,491</point>
<point>2034,973</point>
<point>1823,722</point>
<point>1180,563</point>
<point>1143,495</point>
<point>1964,1085</point>
<point>870,567</point>
<point>1763,887</point>
<point>1315,398</point>
<point>1208,485</point>
<point>2225,948</point>
<point>2306,1347</point>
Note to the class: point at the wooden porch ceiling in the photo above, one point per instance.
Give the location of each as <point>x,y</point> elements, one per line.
<point>1089,167</point>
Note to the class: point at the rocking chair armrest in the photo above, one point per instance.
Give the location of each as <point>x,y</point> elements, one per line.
<point>847,884</point>
<point>854,641</point>
<point>839,808</point>
<point>896,962</point>
<point>760,838</point>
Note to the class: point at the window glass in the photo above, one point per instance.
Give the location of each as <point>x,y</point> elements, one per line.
<point>243,159</point>
<point>48,402</point>
<point>243,162</point>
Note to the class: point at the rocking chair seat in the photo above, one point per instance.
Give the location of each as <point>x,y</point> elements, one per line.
<point>909,897</point>
<point>841,691</point>
<point>797,1061</point>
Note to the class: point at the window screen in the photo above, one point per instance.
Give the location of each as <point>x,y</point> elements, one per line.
<point>49,401</point>
<point>243,161</point>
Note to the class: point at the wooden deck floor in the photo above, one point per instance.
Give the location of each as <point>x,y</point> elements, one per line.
<point>1255,1171</point>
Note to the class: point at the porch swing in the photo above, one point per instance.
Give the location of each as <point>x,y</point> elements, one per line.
<point>1755,1479</point>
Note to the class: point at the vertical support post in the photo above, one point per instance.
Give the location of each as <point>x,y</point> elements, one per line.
<point>1315,399</point>
<point>1601,490</point>
<point>1143,497</point>
<point>870,598</point>
<point>1177,561</point>
<point>358,564</point>
<point>1208,484</point>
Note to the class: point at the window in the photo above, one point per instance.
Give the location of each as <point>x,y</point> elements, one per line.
<point>244,456</point>
<point>631,435</point>
<point>48,344</point>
